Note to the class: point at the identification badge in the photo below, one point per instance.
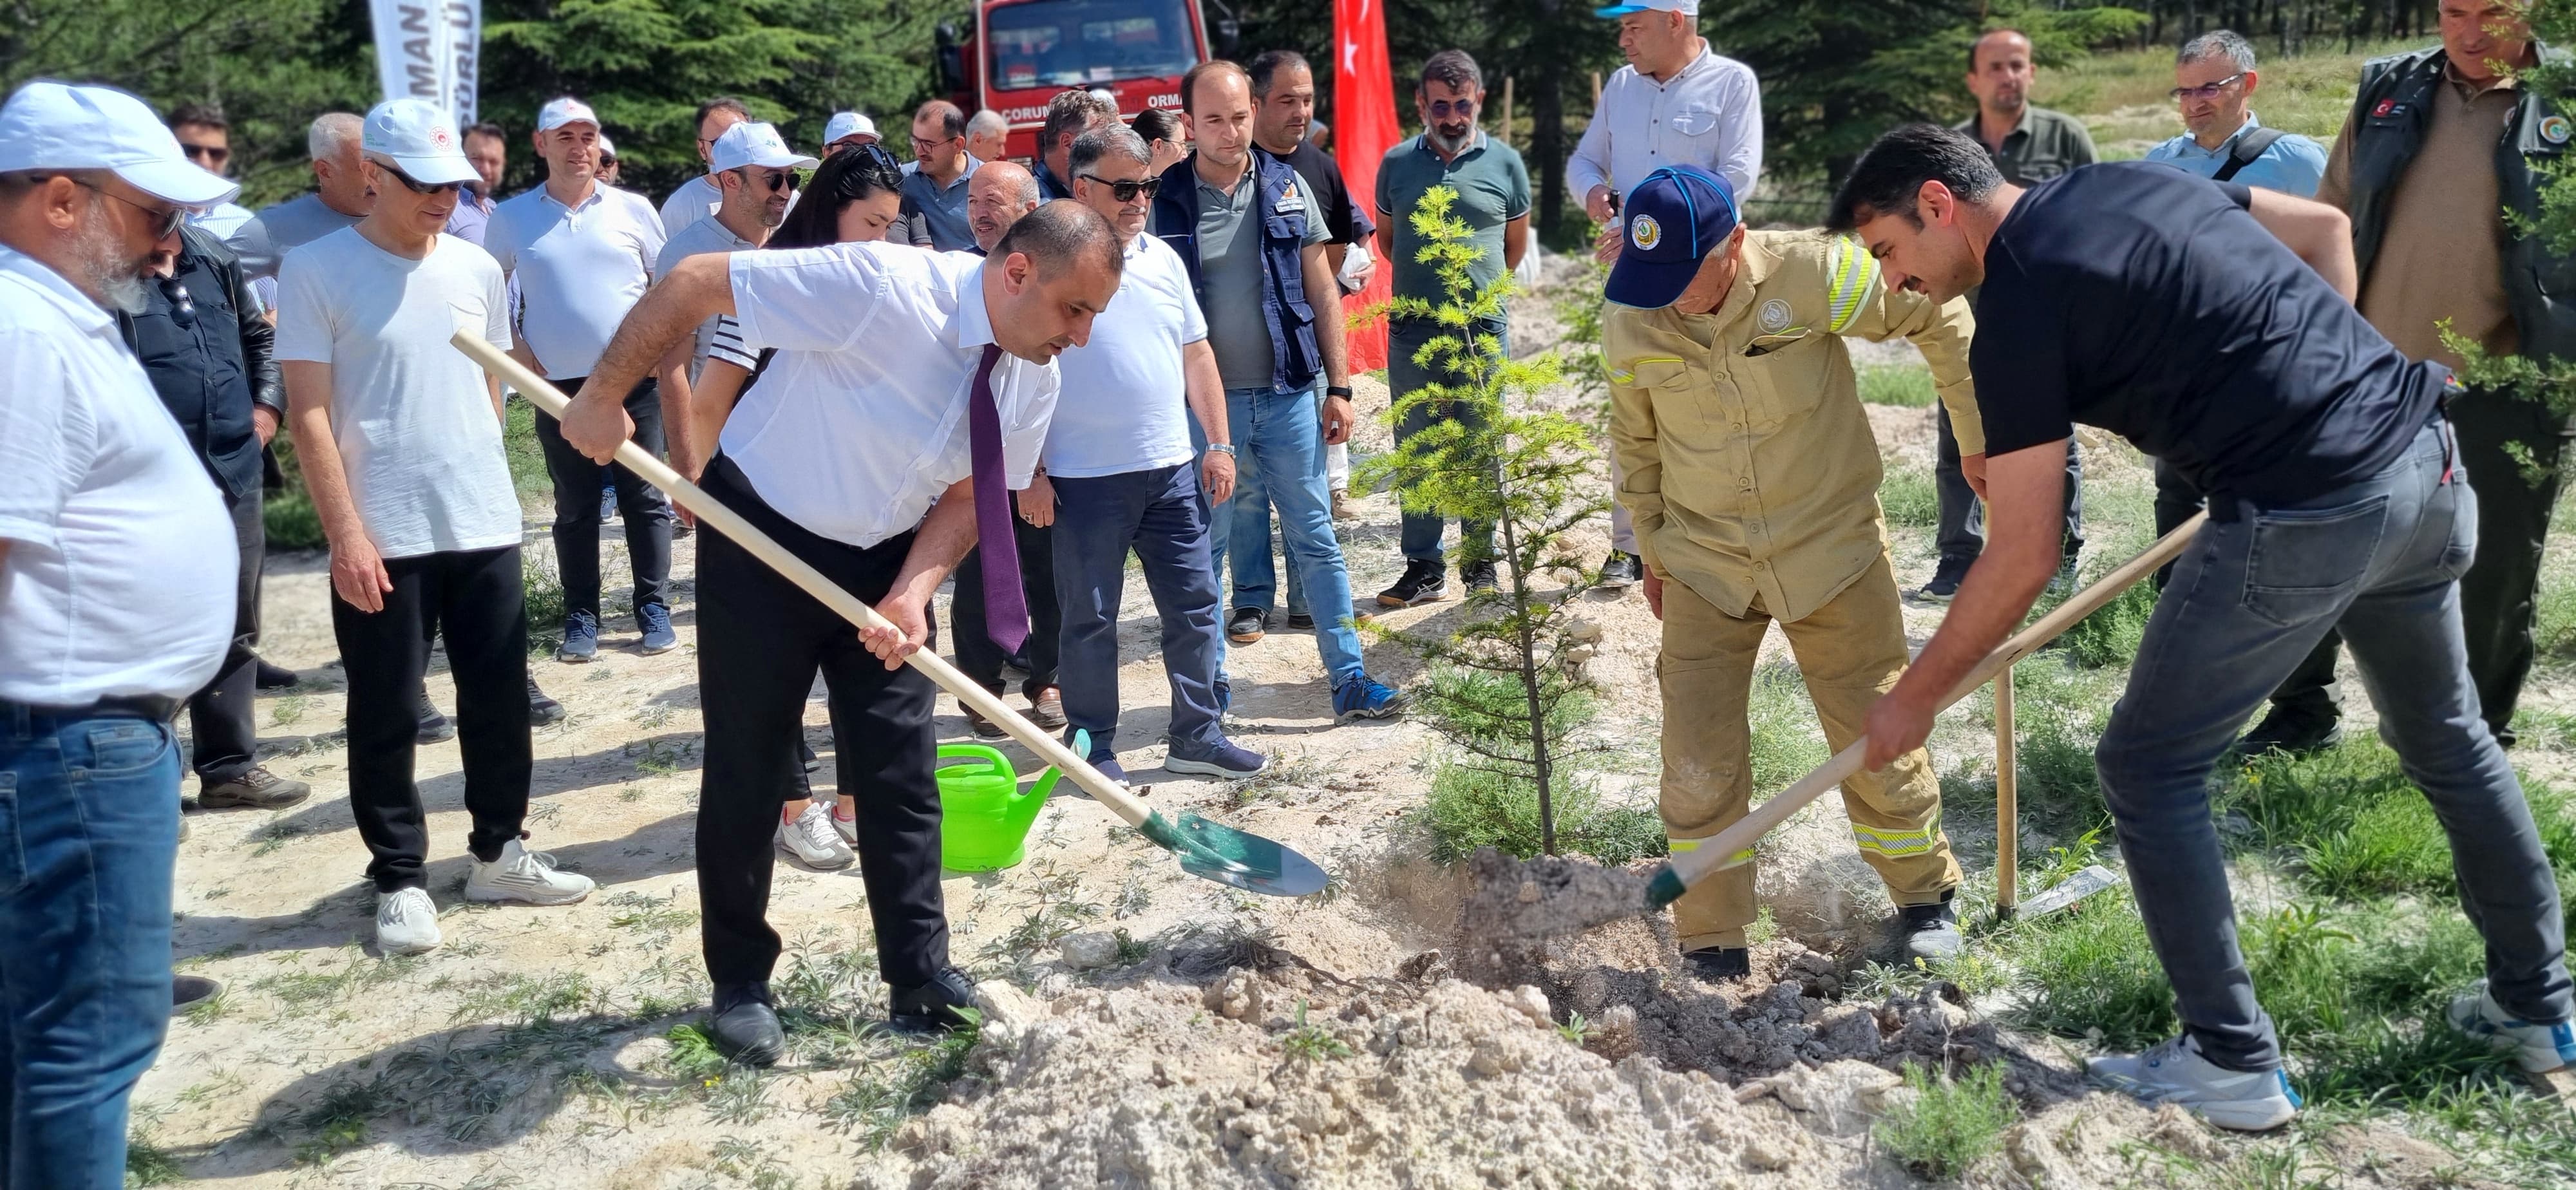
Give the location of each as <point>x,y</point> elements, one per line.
<point>2388,109</point>
<point>1774,317</point>
<point>1290,202</point>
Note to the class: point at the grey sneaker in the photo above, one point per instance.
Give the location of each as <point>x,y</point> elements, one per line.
<point>256,788</point>
<point>1931,932</point>
<point>2174,1072</point>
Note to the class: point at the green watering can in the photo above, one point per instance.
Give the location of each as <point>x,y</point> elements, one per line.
<point>984,815</point>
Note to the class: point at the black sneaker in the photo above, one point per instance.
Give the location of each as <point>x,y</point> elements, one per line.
<point>2296,735</point>
<point>434,727</point>
<point>1422,582</point>
<point>933,1005</point>
<point>1622,569</point>
<point>272,676</point>
<point>1480,578</point>
<point>1720,964</point>
<point>188,991</point>
<point>1247,625</point>
<point>541,709</point>
<point>1945,581</point>
<point>1301,621</point>
<point>744,1027</point>
<point>1930,932</point>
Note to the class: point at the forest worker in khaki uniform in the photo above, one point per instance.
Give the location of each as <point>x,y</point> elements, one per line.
<point>1753,477</point>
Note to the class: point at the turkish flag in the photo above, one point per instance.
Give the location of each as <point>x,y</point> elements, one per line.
<point>1364,129</point>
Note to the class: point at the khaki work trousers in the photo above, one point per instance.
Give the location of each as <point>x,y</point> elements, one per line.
<point>1850,651</point>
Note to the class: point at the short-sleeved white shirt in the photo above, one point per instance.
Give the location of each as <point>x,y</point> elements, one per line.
<point>1124,406</point>
<point>579,269</point>
<point>412,415</point>
<point>695,199</point>
<point>121,563</point>
<point>698,239</point>
<point>1709,115</point>
<point>860,422</point>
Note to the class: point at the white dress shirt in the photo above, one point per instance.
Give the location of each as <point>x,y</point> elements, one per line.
<point>1124,406</point>
<point>577,270</point>
<point>860,422</point>
<point>1709,115</point>
<point>695,199</point>
<point>121,563</point>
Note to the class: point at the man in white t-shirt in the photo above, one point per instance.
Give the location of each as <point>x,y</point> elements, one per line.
<point>399,436</point>
<point>578,253</point>
<point>1120,473</point>
<point>910,389</point>
<point>117,567</point>
<point>698,197</point>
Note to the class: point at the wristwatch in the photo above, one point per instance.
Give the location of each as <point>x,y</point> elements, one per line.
<point>1223,448</point>
<point>1338,390</point>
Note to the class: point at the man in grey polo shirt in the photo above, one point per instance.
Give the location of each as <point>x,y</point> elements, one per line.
<point>936,189</point>
<point>339,199</point>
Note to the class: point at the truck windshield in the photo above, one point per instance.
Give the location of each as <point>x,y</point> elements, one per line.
<point>1065,43</point>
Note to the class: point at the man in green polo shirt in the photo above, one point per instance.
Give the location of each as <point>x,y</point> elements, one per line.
<point>2030,144</point>
<point>1494,201</point>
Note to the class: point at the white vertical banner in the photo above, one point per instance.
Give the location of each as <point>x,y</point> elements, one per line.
<point>427,49</point>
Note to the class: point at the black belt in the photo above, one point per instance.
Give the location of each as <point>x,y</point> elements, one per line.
<point>156,707</point>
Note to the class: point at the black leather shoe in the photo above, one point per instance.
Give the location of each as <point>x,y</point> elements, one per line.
<point>188,991</point>
<point>933,1005</point>
<point>1719,964</point>
<point>272,676</point>
<point>1246,625</point>
<point>744,1026</point>
<point>2297,735</point>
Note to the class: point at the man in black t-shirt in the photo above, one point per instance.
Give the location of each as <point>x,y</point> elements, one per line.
<point>2212,325</point>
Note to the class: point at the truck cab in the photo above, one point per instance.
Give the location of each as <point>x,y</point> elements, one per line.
<point>1022,53</point>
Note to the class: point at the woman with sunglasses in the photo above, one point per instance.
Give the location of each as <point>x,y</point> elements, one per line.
<point>855,196</point>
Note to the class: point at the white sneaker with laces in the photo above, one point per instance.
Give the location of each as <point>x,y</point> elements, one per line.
<point>813,841</point>
<point>2174,1072</point>
<point>524,875</point>
<point>406,922</point>
<point>2537,1048</point>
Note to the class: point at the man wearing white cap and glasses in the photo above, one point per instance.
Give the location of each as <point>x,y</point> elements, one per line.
<point>400,439</point>
<point>846,131</point>
<point>114,555</point>
<point>1676,102</point>
<point>579,254</point>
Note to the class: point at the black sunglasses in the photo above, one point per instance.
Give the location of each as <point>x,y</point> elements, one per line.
<point>215,156</point>
<point>1127,191</point>
<point>419,187</point>
<point>776,181</point>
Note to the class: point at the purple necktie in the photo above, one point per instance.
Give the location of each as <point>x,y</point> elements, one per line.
<point>1006,610</point>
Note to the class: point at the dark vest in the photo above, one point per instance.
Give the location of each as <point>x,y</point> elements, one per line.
<point>2389,116</point>
<point>200,370</point>
<point>1295,356</point>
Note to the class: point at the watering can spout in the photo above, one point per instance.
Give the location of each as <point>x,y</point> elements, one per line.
<point>1025,810</point>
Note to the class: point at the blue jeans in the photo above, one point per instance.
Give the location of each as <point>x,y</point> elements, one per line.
<point>1279,457</point>
<point>89,831</point>
<point>1420,537</point>
<point>1162,515</point>
<point>2379,559</point>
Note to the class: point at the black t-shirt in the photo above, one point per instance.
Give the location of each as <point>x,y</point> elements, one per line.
<point>2145,300</point>
<point>1343,219</point>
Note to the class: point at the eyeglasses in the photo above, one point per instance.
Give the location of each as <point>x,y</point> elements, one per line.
<point>777,179</point>
<point>2207,91</point>
<point>211,156</point>
<point>165,223</point>
<point>1127,191</point>
<point>419,187</point>
<point>920,146</point>
<point>1442,109</point>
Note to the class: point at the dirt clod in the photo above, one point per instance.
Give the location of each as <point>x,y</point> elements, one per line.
<point>1540,897</point>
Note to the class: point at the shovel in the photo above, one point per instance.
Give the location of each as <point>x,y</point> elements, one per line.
<point>1207,849</point>
<point>1687,868</point>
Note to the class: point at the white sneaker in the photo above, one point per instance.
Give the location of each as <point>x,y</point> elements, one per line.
<point>812,840</point>
<point>845,822</point>
<point>406,922</point>
<point>2538,1048</point>
<point>2174,1072</point>
<point>524,875</point>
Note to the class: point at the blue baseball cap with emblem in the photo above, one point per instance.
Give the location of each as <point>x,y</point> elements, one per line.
<point>1671,222</point>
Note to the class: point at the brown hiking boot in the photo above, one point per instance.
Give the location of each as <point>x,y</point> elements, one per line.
<point>256,788</point>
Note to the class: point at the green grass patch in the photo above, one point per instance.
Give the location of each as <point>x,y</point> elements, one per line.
<point>148,1164</point>
<point>1949,1124</point>
<point>527,459</point>
<point>2359,827</point>
<point>1471,807</point>
<point>1788,741</point>
<point>1905,385</point>
<point>1909,499</point>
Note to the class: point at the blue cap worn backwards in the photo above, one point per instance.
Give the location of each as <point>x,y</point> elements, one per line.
<point>1672,220</point>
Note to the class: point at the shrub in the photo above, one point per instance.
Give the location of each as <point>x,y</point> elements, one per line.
<point>1950,1124</point>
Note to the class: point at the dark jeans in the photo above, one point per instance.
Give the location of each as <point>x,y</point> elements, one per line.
<point>760,642</point>
<point>977,656</point>
<point>89,832</point>
<point>1420,535</point>
<point>1162,515</point>
<point>577,485</point>
<point>2309,698</point>
<point>2500,595</point>
<point>1962,533</point>
<point>2252,596</point>
<point>473,598</point>
<point>224,740</point>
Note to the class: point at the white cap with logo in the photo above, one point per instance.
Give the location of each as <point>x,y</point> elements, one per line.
<point>567,110</point>
<point>750,143</point>
<point>420,139</point>
<point>1688,8</point>
<point>844,125</point>
<point>58,126</point>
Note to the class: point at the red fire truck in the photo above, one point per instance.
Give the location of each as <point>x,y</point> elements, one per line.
<point>1022,53</point>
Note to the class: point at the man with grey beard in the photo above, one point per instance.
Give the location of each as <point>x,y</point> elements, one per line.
<point>116,586</point>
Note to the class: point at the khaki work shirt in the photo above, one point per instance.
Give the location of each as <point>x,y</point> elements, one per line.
<point>2442,254</point>
<point>1747,459</point>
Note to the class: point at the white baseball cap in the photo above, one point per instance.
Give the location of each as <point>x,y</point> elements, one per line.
<point>750,143</point>
<point>57,126</point>
<point>1688,8</point>
<point>844,125</point>
<point>607,151</point>
<point>567,110</point>
<point>420,139</point>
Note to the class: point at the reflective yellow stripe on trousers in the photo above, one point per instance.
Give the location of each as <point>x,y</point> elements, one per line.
<point>1737,860</point>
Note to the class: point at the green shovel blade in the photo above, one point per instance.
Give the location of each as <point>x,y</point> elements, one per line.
<point>1215,851</point>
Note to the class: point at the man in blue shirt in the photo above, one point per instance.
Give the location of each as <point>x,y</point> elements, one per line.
<point>2214,79</point>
